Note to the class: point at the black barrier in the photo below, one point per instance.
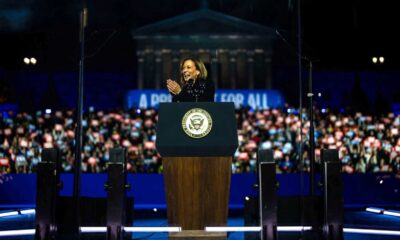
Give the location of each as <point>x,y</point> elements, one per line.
<point>47,189</point>
<point>267,194</point>
<point>116,187</point>
<point>332,195</point>
<point>251,216</point>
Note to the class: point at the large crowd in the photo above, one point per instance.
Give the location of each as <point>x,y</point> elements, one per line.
<point>365,143</point>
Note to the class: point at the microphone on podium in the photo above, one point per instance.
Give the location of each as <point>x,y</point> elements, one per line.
<point>191,82</point>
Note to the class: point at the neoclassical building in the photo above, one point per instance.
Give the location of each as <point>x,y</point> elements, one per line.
<point>237,53</point>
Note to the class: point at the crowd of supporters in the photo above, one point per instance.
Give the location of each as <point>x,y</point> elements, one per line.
<point>365,143</point>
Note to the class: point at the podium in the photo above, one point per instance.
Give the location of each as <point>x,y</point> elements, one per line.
<point>197,142</point>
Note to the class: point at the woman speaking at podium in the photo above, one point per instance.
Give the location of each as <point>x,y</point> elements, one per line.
<point>193,85</point>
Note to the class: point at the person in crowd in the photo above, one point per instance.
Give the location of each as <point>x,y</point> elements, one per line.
<point>193,85</point>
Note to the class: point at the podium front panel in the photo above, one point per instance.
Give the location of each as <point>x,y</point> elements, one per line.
<point>172,141</point>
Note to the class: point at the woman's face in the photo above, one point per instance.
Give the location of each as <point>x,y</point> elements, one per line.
<point>189,70</point>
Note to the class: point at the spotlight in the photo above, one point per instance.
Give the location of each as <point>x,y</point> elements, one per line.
<point>392,213</point>
<point>374,210</point>
<point>378,60</point>
<point>33,60</point>
<point>17,232</point>
<point>152,229</point>
<point>233,229</point>
<point>92,229</point>
<point>28,211</point>
<point>257,229</point>
<point>6,214</point>
<point>131,229</point>
<point>371,231</point>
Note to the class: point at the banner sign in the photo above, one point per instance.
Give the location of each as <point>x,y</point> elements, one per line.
<point>255,99</point>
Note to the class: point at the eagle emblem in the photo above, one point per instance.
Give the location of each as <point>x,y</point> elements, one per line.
<point>197,123</point>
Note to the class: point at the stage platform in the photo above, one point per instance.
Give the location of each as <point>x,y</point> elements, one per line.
<point>360,191</point>
<point>354,219</point>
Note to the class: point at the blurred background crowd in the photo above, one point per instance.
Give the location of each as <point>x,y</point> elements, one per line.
<point>366,143</point>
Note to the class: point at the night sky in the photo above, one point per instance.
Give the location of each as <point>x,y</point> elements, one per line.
<point>341,35</point>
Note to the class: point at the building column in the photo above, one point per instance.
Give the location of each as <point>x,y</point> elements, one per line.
<point>250,69</point>
<point>167,70</point>
<point>158,69</point>
<point>149,69</point>
<point>204,55</point>
<point>140,74</point>
<point>232,68</point>
<point>185,53</point>
<point>214,66</point>
<point>175,65</point>
<point>268,74</point>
